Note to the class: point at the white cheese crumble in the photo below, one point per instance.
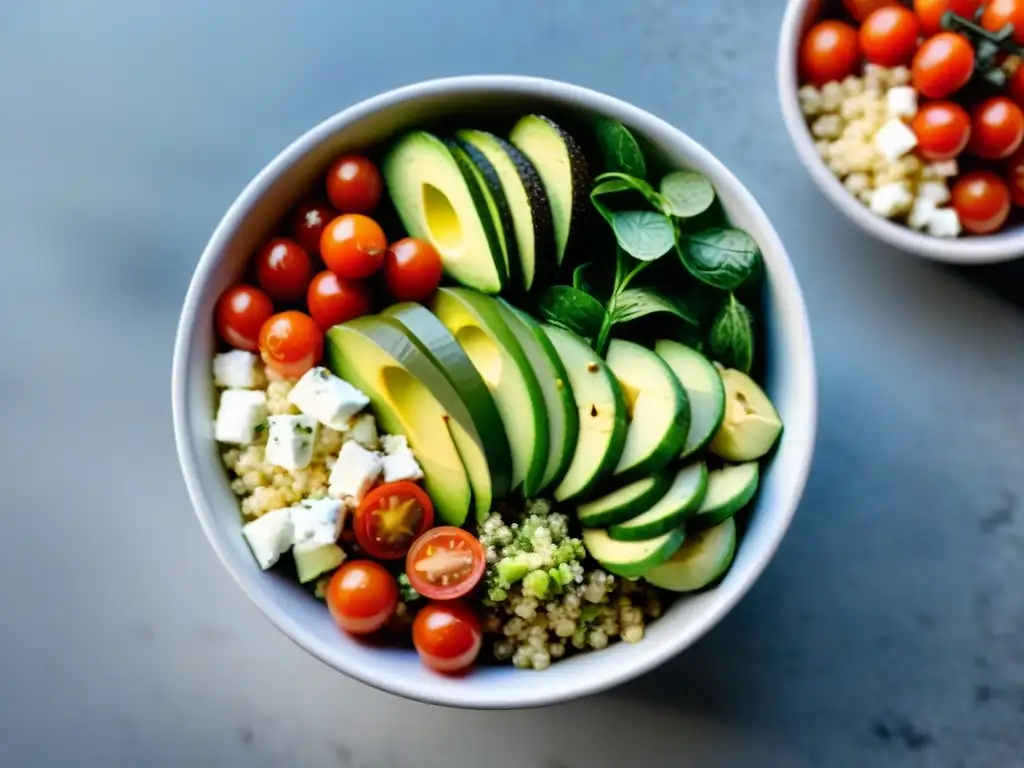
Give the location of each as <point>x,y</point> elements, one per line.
<point>239,413</point>
<point>355,472</point>
<point>895,139</point>
<point>318,520</point>
<point>269,536</point>
<point>363,429</point>
<point>236,369</point>
<point>327,398</point>
<point>901,102</point>
<point>401,465</point>
<point>891,199</point>
<point>945,222</point>
<point>290,440</point>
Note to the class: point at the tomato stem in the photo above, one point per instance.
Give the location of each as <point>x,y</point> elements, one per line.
<point>987,44</point>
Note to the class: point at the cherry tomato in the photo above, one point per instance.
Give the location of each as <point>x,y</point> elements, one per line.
<point>930,12</point>
<point>943,65</point>
<point>283,269</point>
<point>412,269</point>
<point>447,636</point>
<point>889,36</point>
<point>308,224</point>
<point>445,563</point>
<point>241,312</point>
<point>829,51</point>
<point>997,128</point>
<point>362,596</point>
<point>291,343</point>
<point>943,129</point>
<point>334,300</point>
<point>353,246</point>
<point>861,9</point>
<point>1015,177</point>
<point>999,13</point>
<point>982,200</point>
<point>354,184</point>
<point>391,518</point>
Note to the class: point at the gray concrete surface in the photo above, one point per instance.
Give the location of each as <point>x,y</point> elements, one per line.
<point>888,632</point>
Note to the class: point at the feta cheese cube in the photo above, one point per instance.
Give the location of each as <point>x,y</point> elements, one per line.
<point>936,191</point>
<point>944,223</point>
<point>943,169</point>
<point>401,465</point>
<point>239,413</point>
<point>237,368</point>
<point>269,536</point>
<point>901,101</point>
<point>318,520</point>
<point>921,213</point>
<point>894,139</point>
<point>363,429</point>
<point>290,440</point>
<point>394,443</point>
<point>313,559</point>
<point>355,471</point>
<point>328,399</point>
<point>891,199</point>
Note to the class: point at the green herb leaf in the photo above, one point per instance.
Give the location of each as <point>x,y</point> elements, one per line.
<point>731,341</point>
<point>721,257</point>
<point>609,183</point>
<point>579,280</point>
<point>686,194</point>
<point>634,303</point>
<point>619,149</point>
<point>644,235</point>
<point>572,309</point>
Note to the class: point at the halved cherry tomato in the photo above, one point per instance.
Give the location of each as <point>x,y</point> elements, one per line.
<point>982,200</point>
<point>308,224</point>
<point>861,9</point>
<point>391,518</point>
<point>997,128</point>
<point>334,300</point>
<point>445,563</point>
<point>943,129</point>
<point>999,13</point>
<point>447,636</point>
<point>943,65</point>
<point>283,269</point>
<point>412,269</point>
<point>241,312</point>
<point>1015,177</point>
<point>353,246</point>
<point>291,343</point>
<point>930,12</point>
<point>889,36</point>
<point>829,51</point>
<point>354,184</point>
<point>361,596</point>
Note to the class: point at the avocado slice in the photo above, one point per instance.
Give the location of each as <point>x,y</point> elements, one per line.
<point>602,415</point>
<point>375,357</point>
<point>527,202</point>
<point>751,424</point>
<point>631,558</point>
<point>562,169</point>
<point>659,413</point>
<point>704,391</point>
<point>313,559</point>
<point>563,418</point>
<point>476,323</point>
<point>436,195</point>
<point>670,511</point>
<point>626,502</point>
<point>704,557</point>
<point>730,489</point>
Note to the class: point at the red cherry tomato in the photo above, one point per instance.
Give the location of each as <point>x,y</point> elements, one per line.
<point>241,312</point>
<point>999,13</point>
<point>334,300</point>
<point>943,65</point>
<point>445,563</point>
<point>283,269</point>
<point>308,224</point>
<point>997,128</point>
<point>361,596</point>
<point>353,246</point>
<point>447,636</point>
<point>1015,177</point>
<point>1015,86</point>
<point>391,518</point>
<point>889,36</point>
<point>982,200</point>
<point>354,184</point>
<point>412,269</point>
<point>829,51</point>
<point>930,12</point>
<point>943,129</point>
<point>291,343</point>
<point>861,9</point>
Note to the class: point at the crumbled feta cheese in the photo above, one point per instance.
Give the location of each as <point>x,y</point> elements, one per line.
<point>936,191</point>
<point>237,368</point>
<point>944,223</point>
<point>891,199</point>
<point>290,440</point>
<point>269,536</point>
<point>328,399</point>
<point>239,413</point>
<point>318,520</point>
<point>895,139</point>
<point>363,430</point>
<point>355,471</point>
<point>394,444</point>
<point>921,214</point>
<point>943,169</point>
<point>401,465</point>
<point>901,101</point>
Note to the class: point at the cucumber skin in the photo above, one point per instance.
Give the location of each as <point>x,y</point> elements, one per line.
<point>635,570</point>
<point>705,580</point>
<point>718,515</point>
<point>626,532</point>
<point>630,509</point>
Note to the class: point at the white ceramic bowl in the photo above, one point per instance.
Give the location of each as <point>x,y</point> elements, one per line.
<point>974,249</point>
<point>790,383</point>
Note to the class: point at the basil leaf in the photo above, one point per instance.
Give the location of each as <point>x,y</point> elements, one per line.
<point>572,309</point>
<point>686,194</point>
<point>579,280</point>
<point>619,150</point>
<point>644,235</point>
<point>731,341</point>
<point>724,258</point>
<point>634,303</point>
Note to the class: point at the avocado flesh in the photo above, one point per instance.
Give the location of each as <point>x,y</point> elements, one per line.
<point>751,425</point>
<point>314,559</point>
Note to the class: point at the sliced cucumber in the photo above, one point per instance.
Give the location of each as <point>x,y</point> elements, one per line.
<point>704,389</point>
<point>680,500</point>
<point>704,557</point>
<point>730,489</point>
<point>624,503</point>
<point>631,558</point>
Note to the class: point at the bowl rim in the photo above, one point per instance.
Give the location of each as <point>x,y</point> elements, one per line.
<point>977,249</point>
<point>643,659</point>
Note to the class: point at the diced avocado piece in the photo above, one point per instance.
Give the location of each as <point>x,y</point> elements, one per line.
<point>602,415</point>
<point>751,424</point>
<point>375,357</point>
<point>704,557</point>
<point>527,202</point>
<point>438,199</point>
<point>476,323</point>
<point>562,169</point>
<point>730,489</point>
<point>670,511</point>
<point>704,391</point>
<point>659,413</point>
<point>563,420</point>
<point>631,558</point>
<point>313,559</point>
<point>624,503</point>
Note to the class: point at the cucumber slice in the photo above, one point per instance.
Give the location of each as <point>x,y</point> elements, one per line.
<point>631,558</point>
<point>704,557</point>
<point>624,503</point>
<point>730,489</point>
<point>682,498</point>
<point>704,389</point>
